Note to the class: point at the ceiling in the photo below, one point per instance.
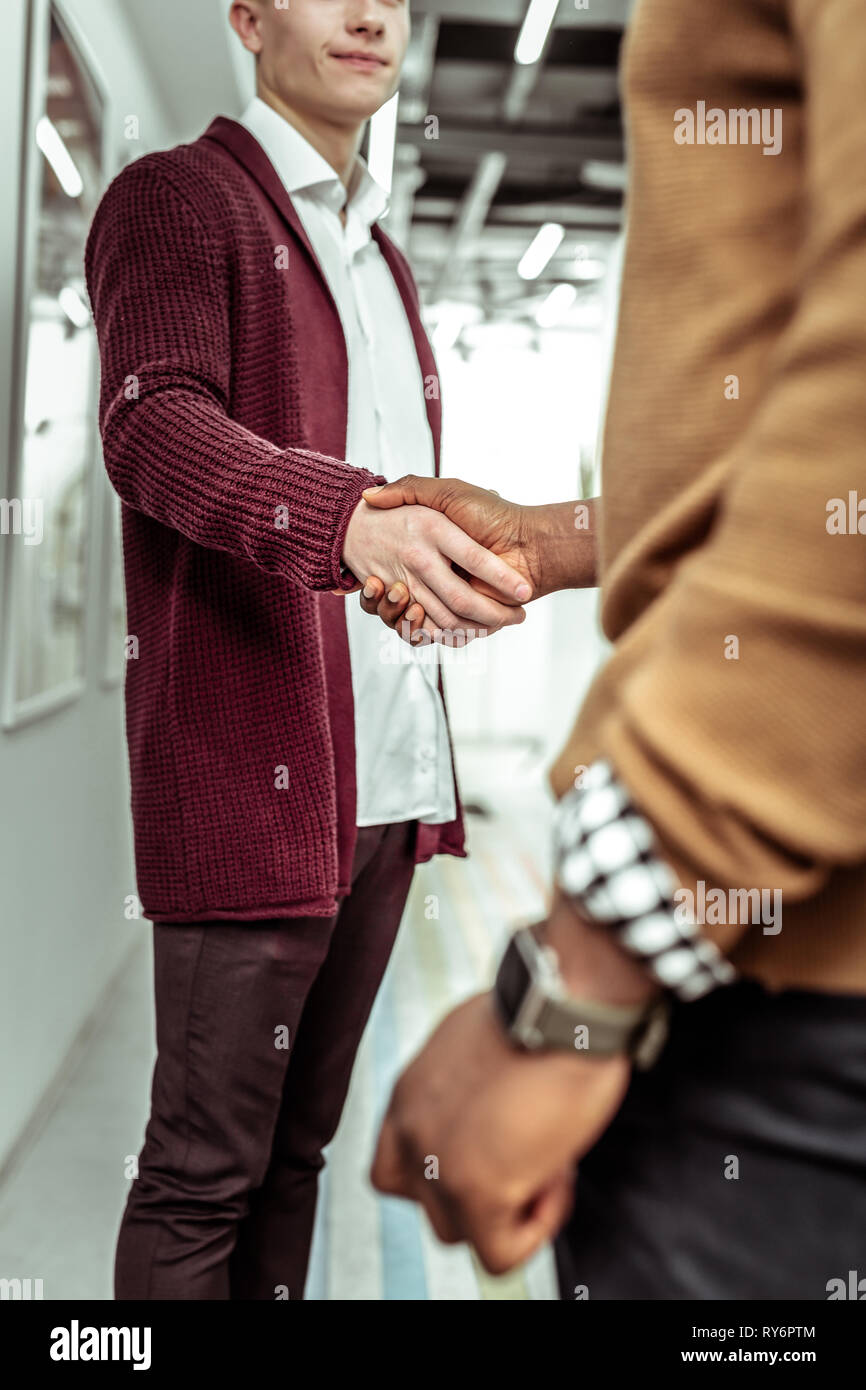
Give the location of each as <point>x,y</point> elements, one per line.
<point>489,150</point>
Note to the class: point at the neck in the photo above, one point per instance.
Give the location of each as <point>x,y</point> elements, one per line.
<point>339,145</point>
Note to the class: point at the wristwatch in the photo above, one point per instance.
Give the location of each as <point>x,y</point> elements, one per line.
<point>538,1012</point>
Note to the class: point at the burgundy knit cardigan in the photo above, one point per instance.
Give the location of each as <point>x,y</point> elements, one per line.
<point>222,412</point>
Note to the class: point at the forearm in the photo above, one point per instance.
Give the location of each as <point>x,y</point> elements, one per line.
<point>564,536</point>
<point>171,449</point>
<point>591,962</point>
<point>178,457</point>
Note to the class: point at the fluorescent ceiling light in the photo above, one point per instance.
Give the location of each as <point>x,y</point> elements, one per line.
<point>545,245</point>
<point>383,141</point>
<point>74,306</point>
<point>536,27</point>
<point>604,173</point>
<point>556,306</point>
<point>51,144</point>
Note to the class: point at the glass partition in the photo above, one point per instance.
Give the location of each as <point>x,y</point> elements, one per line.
<point>55,441</point>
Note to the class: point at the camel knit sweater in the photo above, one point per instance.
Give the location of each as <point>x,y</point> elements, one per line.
<point>733,572</point>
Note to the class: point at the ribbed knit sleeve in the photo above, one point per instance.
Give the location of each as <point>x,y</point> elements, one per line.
<point>160,283</point>
<point>753,770</point>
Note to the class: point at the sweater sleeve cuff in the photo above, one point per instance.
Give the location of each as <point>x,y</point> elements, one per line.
<point>346,579</point>
<point>332,491</point>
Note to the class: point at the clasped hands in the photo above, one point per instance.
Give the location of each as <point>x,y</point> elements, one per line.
<point>442,560</point>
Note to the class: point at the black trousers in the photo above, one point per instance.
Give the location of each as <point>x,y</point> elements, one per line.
<point>736,1167</point>
<point>257,1026</point>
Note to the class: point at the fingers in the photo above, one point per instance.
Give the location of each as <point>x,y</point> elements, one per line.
<point>484,565</point>
<point>386,1172</point>
<point>438,493</point>
<point>504,1235</point>
<point>507,1237</point>
<point>440,616</point>
<point>399,1173</point>
<point>396,608</point>
<point>453,608</point>
<point>443,592</point>
<point>408,619</point>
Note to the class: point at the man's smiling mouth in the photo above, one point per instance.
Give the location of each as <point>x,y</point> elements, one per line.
<point>364,62</point>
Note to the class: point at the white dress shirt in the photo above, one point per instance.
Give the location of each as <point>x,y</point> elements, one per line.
<point>403,762</point>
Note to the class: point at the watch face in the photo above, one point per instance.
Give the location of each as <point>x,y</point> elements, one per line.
<point>512,982</point>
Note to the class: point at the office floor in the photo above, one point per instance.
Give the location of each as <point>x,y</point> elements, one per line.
<point>61,1201</point>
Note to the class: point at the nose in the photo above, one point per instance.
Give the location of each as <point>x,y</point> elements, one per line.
<point>366,19</point>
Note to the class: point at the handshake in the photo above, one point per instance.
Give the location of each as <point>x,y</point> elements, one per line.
<point>446,561</point>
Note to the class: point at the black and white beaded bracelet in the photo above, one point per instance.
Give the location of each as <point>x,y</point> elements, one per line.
<point>606,863</point>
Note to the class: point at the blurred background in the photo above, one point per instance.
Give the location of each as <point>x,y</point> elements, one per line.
<point>505,157</point>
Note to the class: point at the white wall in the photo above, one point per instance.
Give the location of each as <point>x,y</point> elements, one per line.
<point>65,849</point>
<point>522,422</point>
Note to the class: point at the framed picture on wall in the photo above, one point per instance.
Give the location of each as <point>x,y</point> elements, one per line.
<point>53,431</point>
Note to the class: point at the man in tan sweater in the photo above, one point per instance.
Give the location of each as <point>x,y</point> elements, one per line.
<point>695,1038</point>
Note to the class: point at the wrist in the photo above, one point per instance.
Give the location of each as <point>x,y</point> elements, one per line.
<point>572,1064</point>
<point>565,550</point>
<point>592,964</point>
<point>543,1011</point>
<point>354,540</point>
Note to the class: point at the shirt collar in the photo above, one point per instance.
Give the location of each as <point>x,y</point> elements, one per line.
<point>302,169</point>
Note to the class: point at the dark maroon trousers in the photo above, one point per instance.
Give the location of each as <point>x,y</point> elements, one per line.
<point>257,1026</point>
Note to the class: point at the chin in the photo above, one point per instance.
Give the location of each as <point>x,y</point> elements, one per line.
<point>359,111</point>
<point>359,95</point>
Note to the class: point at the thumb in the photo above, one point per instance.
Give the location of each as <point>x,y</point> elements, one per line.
<point>387,495</point>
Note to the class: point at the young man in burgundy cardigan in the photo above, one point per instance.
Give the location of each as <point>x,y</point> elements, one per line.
<point>263,361</point>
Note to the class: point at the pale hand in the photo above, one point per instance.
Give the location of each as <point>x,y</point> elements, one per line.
<point>416,546</point>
